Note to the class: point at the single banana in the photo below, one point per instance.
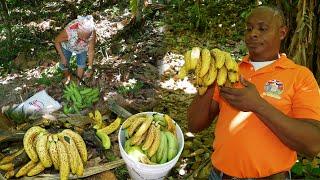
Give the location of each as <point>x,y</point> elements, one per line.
<point>150,137</point>
<point>161,147</point>
<point>145,126</point>
<point>183,72</point>
<point>130,120</point>
<point>135,125</point>
<point>164,155</point>
<point>154,159</point>
<point>227,83</point>
<point>171,126</point>
<point>36,169</point>
<point>64,161</point>
<point>112,127</point>
<point>235,67</point>
<point>53,152</point>
<point>80,166</point>
<point>219,57</point>
<point>85,91</point>
<point>199,81</point>
<point>134,139</point>
<point>172,145</point>
<point>42,150</point>
<point>187,61</point>
<point>205,62</point>
<point>143,137</point>
<point>159,118</point>
<point>202,90</point>
<point>10,157</point>
<point>146,160</point>
<point>71,151</point>
<point>197,72</point>
<point>25,169</point>
<point>210,77</point>
<point>233,76</point>
<point>81,146</point>
<point>222,76</point>
<point>98,120</point>
<point>105,139</point>
<point>194,57</point>
<point>229,62</point>
<point>7,167</point>
<point>156,142</point>
<point>28,142</point>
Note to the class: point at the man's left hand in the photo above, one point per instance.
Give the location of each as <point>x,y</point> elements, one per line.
<point>244,99</point>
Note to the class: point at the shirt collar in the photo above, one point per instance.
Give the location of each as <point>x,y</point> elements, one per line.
<point>282,62</point>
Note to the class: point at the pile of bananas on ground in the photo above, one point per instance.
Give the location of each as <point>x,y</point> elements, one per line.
<point>209,66</point>
<point>151,138</point>
<point>78,98</point>
<point>65,151</point>
<point>102,130</point>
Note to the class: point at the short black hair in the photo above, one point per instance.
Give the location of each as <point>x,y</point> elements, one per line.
<point>277,12</point>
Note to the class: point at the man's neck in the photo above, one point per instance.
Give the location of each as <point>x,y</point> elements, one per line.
<point>272,58</point>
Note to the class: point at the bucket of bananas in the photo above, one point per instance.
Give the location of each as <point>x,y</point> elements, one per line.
<point>150,144</point>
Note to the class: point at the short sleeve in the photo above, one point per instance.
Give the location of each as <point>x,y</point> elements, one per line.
<point>71,28</point>
<point>306,100</point>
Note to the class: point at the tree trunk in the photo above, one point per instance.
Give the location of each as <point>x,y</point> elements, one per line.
<point>302,43</point>
<point>139,14</point>
<point>316,52</point>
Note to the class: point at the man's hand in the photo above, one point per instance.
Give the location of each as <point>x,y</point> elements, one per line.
<point>244,99</point>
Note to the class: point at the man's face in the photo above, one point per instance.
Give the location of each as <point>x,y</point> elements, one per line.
<point>263,35</point>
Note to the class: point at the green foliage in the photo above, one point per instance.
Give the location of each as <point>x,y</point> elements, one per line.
<point>134,6</point>
<point>121,172</point>
<point>44,79</point>
<point>50,76</point>
<point>130,89</point>
<point>306,169</point>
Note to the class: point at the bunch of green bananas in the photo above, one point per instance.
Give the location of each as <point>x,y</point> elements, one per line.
<point>78,98</point>
<point>154,135</point>
<point>210,66</point>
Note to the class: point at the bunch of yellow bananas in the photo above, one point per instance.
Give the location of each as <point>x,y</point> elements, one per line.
<point>153,135</point>
<point>102,130</point>
<point>209,66</point>
<point>66,151</point>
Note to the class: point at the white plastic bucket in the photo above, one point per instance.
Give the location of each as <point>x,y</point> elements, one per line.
<point>139,170</point>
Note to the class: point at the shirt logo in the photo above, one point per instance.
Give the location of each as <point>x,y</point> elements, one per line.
<point>273,88</point>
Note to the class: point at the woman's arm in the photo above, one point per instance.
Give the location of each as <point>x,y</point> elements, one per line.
<point>91,46</point>
<point>63,36</point>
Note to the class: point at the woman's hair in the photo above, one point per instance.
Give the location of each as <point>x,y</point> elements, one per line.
<point>86,23</point>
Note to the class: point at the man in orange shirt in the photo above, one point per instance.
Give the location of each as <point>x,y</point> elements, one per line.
<point>272,116</point>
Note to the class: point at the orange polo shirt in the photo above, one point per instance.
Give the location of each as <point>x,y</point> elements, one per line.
<point>244,146</point>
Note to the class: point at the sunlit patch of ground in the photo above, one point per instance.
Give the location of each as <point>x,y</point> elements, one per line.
<point>168,68</point>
